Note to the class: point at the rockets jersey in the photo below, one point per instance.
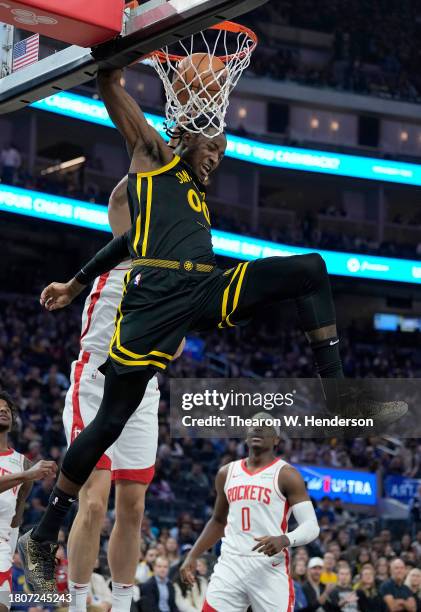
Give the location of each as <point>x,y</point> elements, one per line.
<point>256,508</point>
<point>11,462</point>
<point>98,319</point>
<point>169,214</point>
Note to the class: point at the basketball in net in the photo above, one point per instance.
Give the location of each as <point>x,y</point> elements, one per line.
<point>199,75</point>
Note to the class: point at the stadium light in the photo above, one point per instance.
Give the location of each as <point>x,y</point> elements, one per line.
<point>49,207</point>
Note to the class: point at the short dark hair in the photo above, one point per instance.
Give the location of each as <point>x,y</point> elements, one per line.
<point>6,397</point>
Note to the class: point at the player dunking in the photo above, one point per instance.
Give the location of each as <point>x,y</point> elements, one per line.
<point>16,478</point>
<point>175,286</point>
<point>255,497</point>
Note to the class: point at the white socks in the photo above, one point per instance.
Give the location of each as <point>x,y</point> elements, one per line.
<point>79,595</point>
<point>122,597</point>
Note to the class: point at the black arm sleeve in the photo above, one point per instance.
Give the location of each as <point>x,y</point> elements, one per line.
<point>106,259</point>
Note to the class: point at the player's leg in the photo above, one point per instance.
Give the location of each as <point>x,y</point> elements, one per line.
<point>304,280</point>
<point>227,590</point>
<point>132,472</point>
<point>270,589</point>
<point>122,394</point>
<point>7,550</point>
<point>84,537</point>
<point>124,545</point>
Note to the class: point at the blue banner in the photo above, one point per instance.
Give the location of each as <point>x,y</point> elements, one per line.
<point>401,488</point>
<point>350,486</point>
<point>244,149</point>
<point>93,216</point>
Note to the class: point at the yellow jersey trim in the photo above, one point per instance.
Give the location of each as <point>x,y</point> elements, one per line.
<point>169,166</point>
<point>148,216</point>
<point>226,296</point>
<point>138,220</point>
<point>237,293</point>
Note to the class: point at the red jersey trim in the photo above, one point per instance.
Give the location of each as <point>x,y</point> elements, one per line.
<point>265,467</point>
<point>143,476</point>
<point>208,608</point>
<point>6,577</point>
<point>95,295</point>
<point>4,453</point>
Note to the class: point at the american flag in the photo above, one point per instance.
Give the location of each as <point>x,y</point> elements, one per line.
<point>25,52</point>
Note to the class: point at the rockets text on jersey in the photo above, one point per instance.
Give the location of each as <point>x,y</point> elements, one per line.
<point>256,508</point>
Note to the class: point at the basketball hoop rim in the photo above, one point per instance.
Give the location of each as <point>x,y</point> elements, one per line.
<point>229,26</point>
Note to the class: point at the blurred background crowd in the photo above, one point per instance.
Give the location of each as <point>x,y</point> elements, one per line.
<point>36,349</point>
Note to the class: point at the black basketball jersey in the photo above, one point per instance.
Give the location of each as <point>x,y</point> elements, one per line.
<point>169,215</point>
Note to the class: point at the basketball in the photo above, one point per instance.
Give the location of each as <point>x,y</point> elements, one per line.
<point>200,73</point>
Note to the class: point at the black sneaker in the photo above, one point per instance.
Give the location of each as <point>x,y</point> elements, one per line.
<point>38,561</point>
<point>357,405</point>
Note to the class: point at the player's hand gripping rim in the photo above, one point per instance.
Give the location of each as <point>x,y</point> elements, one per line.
<point>271,545</point>
<point>59,295</point>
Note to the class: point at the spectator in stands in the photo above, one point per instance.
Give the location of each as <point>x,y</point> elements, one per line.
<point>11,162</point>
<point>299,571</point>
<point>158,594</point>
<point>415,511</point>
<point>396,594</point>
<point>382,570</point>
<point>413,581</point>
<point>369,598</point>
<point>343,597</point>
<point>145,568</point>
<point>324,510</point>
<point>99,596</point>
<point>315,592</point>
<point>190,598</point>
<point>203,568</point>
<point>328,575</point>
<point>172,552</point>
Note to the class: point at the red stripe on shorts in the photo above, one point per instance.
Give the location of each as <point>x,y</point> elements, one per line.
<point>291,594</point>
<point>144,476</point>
<point>77,424</point>
<point>6,577</point>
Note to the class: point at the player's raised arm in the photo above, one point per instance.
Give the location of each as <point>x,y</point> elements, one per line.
<point>142,140</point>
<point>59,295</point>
<point>38,471</point>
<point>293,487</point>
<point>213,531</point>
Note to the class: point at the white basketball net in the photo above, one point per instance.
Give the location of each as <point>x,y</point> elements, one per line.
<point>202,109</point>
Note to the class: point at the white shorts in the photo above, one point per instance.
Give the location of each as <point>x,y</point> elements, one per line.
<point>7,550</point>
<point>239,582</point>
<point>133,455</point>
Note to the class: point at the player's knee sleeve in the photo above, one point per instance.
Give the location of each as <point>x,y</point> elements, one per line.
<point>313,269</point>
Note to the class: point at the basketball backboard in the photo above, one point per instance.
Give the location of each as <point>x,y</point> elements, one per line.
<point>148,27</point>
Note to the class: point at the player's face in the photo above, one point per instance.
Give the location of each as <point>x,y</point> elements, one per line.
<point>5,416</point>
<point>261,438</point>
<point>204,154</point>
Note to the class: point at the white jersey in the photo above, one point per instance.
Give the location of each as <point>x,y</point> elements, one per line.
<point>256,507</point>
<point>98,319</point>
<point>11,462</point>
